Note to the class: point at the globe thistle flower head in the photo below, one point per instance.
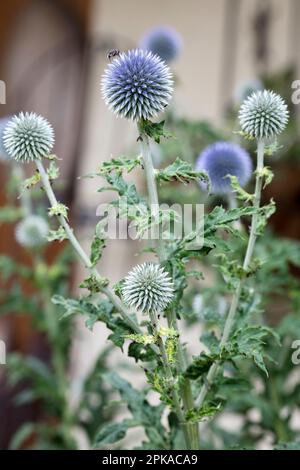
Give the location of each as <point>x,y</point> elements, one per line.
<point>28,137</point>
<point>263,115</point>
<point>148,288</point>
<point>162,41</point>
<point>4,157</point>
<point>137,85</point>
<point>222,159</point>
<point>32,231</point>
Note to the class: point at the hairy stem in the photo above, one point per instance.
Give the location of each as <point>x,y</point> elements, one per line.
<point>248,256</point>
<point>170,379</point>
<point>152,192</point>
<point>83,256</point>
<point>186,391</point>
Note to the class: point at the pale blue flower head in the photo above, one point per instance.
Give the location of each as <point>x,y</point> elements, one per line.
<point>222,159</point>
<point>4,157</point>
<point>263,115</point>
<point>137,85</point>
<point>148,288</point>
<point>162,41</point>
<point>28,137</point>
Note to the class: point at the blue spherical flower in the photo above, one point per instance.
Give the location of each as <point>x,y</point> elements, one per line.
<point>222,159</point>
<point>162,41</point>
<point>3,153</point>
<point>137,85</point>
<point>28,137</point>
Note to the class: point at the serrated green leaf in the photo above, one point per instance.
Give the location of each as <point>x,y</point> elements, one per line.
<point>181,171</point>
<point>59,235</point>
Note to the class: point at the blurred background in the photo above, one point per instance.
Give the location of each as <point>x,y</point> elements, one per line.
<point>52,56</point>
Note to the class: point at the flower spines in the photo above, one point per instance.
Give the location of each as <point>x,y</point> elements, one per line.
<point>28,137</point>
<point>137,85</point>
<point>148,287</point>
<point>263,115</point>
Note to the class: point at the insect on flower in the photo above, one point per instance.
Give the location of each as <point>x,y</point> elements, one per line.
<point>113,53</point>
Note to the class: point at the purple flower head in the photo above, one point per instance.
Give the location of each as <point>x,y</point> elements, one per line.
<point>162,41</point>
<point>4,157</point>
<point>137,85</point>
<point>222,159</point>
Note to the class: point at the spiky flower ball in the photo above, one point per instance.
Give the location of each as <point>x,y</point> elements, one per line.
<point>148,288</point>
<point>263,115</point>
<point>222,159</point>
<point>4,157</point>
<point>162,41</point>
<point>32,231</point>
<point>28,137</point>
<point>137,85</point>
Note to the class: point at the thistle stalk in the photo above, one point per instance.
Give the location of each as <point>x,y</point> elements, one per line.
<point>186,391</point>
<point>170,379</point>
<point>247,260</point>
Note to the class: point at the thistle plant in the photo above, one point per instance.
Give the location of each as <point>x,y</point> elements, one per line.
<point>146,307</point>
<point>262,116</point>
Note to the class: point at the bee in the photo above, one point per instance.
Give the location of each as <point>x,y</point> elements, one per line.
<point>113,53</point>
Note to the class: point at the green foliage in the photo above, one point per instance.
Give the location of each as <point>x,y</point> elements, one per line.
<point>10,214</point>
<point>154,130</point>
<point>181,171</point>
<point>59,235</point>
<point>143,415</point>
<point>53,171</point>
<point>247,342</point>
<point>58,210</point>
<point>119,165</point>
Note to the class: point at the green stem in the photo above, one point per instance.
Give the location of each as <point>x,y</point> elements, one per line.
<point>186,391</point>
<point>249,252</point>
<point>170,379</point>
<point>83,256</point>
<point>152,192</point>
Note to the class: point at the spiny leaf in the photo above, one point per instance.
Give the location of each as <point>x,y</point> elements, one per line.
<point>181,171</point>
<point>32,181</point>
<point>53,171</point>
<point>119,165</point>
<point>94,284</point>
<point>58,210</point>
<point>203,413</point>
<point>58,235</point>
<point>239,191</point>
<point>154,130</point>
